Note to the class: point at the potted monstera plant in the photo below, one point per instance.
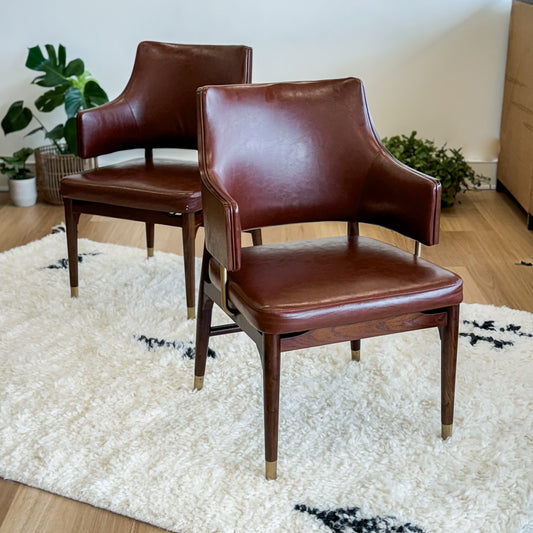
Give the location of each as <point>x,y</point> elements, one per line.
<point>65,84</point>
<point>22,184</point>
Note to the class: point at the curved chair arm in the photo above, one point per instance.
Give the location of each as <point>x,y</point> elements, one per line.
<point>401,199</point>
<point>108,128</point>
<point>222,227</point>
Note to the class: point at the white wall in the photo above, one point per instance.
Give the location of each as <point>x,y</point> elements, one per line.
<point>437,67</point>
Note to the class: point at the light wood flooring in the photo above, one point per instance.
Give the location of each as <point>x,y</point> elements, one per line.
<point>484,239</point>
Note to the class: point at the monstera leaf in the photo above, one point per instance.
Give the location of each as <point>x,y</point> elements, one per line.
<point>51,99</point>
<point>71,136</point>
<point>93,95</point>
<point>56,71</point>
<point>17,117</point>
<point>67,84</point>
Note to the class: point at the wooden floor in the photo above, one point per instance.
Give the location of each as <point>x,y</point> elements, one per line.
<point>484,240</point>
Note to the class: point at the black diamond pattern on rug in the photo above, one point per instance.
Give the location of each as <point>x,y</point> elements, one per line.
<point>187,348</point>
<point>488,325</point>
<point>350,519</point>
<point>63,262</point>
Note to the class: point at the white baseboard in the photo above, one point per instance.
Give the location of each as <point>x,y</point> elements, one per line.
<point>488,169</point>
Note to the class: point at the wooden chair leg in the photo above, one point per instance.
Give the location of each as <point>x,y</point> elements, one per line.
<point>203,325</point>
<point>150,227</point>
<point>257,238</point>
<point>353,229</point>
<point>449,336</point>
<point>71,223</point>
<point>356,350</point>
<point>270,357</point>
<point>188,235</point>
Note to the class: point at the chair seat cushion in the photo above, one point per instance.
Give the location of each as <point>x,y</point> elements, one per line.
<point>296,286</point>
<point>166,185</point>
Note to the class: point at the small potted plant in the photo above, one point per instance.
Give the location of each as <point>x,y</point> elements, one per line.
<point>448,165</point>
<point>22,185</point>
<point>65,84</point>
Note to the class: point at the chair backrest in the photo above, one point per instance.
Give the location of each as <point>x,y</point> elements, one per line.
<point>157,109</point>
<point>286,152</point>
<point>289,152</point>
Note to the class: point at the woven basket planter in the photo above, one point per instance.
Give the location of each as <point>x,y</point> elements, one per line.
<point>51,166</point>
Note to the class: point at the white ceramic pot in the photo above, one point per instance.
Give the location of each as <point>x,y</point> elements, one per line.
<point>23,192</point>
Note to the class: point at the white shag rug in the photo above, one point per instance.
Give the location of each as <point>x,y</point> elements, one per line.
<point>96,404</point>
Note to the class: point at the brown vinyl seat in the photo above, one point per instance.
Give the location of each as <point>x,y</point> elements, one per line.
<point>157,109</point>
<point>286,153</point>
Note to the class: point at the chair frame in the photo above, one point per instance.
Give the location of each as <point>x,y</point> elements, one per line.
<point>270,347</point>
<point>189,222</point>
<point>222,254</point>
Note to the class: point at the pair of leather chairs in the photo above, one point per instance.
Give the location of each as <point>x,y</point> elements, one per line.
<point>271,154</point>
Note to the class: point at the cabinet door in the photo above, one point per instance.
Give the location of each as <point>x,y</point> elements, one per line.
<point>515,162</point>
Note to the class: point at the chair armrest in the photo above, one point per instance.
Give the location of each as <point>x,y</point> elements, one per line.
<point>222,223</point>
<point>222,227</point>
<point>105,129</point>
<point>401,199</point>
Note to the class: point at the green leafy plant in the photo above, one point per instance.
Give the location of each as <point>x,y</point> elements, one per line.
<point>14,167</point>
<point>67,84</point>
<point>448,165</point>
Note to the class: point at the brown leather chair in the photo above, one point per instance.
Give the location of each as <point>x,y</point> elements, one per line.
<point>157,109</point>
<point>289,153</point>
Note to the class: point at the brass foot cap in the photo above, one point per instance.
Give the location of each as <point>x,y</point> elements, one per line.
<point>150,252</point>
<point>74,292</point>
<point>447,431</point>
<point>190,313</point>
<point>356,355</point>
<point>271,469</point>
<point>198,382</point>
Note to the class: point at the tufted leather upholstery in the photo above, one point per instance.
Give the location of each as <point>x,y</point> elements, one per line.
<point>157,109</point>
<point>288,153</point>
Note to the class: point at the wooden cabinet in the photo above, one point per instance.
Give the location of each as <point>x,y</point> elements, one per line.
<point>515,162</point>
